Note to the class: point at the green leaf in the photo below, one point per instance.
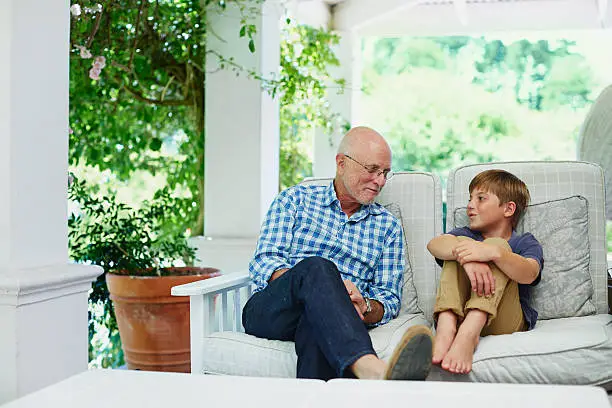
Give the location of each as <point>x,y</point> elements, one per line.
<point>155,144</point>
<point>242,31</point>
<point>252,46</point>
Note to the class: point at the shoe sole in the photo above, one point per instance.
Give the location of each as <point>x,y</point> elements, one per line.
<point>411,359</point>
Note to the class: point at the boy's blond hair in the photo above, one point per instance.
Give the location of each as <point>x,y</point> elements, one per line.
<point>507,187</point>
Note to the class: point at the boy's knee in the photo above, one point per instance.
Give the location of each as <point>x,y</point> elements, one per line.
<point>499,242</point>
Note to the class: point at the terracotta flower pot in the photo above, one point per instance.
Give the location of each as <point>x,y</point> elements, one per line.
<point>153,324</point>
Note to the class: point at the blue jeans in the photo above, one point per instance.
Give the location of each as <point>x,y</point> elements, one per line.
<point>310,305</point>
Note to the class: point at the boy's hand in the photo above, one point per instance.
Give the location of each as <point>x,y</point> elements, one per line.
<point>356,298</point>
<point>481,278</point>
<point>474,251</point>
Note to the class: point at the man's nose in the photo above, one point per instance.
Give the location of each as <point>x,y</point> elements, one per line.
<point>380,179</point>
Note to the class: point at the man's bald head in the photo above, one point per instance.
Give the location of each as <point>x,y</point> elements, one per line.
<point>362,162</point>
<point>362,139</point>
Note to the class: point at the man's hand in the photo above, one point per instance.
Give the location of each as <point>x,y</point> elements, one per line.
<point>481,278</point>
<point>277,274</point>
<point>356,298</point>
<point>473,251</point>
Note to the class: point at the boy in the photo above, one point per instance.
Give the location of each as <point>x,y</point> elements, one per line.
<point>494,261</point>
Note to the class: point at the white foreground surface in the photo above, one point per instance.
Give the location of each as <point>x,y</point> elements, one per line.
<point>139,388</point>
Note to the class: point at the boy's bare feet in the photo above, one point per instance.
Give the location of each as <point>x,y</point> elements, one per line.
<point>459,357</point>
<point>446,330</point>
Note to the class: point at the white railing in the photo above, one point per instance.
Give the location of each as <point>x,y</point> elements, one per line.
<point>215,305</point>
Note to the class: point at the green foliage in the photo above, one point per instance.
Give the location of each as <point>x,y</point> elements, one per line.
<point>306,56</point>
<point>118,238</point>
<point>443,146</point>
<point>570,83</point>
<point>485,99</point>
<point>150,88</point>
<point>397,55</point>
<point>542,74</point>
<point>545,74</point>
<point>110,234</point>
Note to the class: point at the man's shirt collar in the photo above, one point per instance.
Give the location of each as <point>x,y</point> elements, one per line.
<point>330,197</point>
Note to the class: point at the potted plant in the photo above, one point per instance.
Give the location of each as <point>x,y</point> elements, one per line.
<point>144,253</point>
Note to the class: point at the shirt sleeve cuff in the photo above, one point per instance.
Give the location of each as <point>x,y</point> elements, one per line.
<point>267,270</point>
<point>388,313</point>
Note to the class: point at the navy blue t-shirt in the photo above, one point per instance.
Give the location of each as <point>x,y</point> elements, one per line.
<point>527,246</point>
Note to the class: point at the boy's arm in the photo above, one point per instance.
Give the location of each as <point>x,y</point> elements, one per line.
<point>445,246</point>
<point>519,269</point>
<point>442,247</point>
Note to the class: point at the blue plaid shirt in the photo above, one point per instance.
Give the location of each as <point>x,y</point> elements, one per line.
<point>306,221</point>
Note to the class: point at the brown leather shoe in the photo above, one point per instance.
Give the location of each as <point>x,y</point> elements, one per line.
<point>411,359</point>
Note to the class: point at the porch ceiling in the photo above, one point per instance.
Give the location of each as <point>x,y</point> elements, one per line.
<point>445,17</point>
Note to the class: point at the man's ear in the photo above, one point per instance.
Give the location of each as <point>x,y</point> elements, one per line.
<point>340,160</point>
<point>509,208</point>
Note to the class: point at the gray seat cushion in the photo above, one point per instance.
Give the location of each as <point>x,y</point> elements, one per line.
<point>234,353</point>
<point>573,350</point>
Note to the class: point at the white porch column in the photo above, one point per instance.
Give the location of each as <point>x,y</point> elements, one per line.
<point>43,300</point>
<point>348,53</point>
<point>242,136</point>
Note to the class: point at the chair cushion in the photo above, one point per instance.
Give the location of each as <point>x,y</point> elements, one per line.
<point>575,350</point>
<point>232,353</point>
<point>561,227</point>
<point>410,303</point>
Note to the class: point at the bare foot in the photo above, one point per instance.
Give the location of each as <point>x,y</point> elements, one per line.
<point>369,367</point>
<point>459,358</point>
<point>446,330</point>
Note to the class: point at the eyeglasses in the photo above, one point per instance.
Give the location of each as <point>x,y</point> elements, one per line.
<point>373,170</point>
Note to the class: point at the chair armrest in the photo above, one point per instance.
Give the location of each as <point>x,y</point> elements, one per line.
<point>214,285</point>
<point>215,304</point>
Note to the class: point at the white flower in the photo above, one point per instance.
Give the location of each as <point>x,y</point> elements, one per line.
<point>100,61</point>
<point>75,9</point>
<point>94,10</point>
<point>94,73</point>
<point>84,52</point>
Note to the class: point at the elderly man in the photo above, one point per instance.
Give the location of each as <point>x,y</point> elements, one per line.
<point>329,264</point>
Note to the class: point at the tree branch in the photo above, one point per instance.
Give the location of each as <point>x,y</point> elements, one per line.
<point>140,9</point>
<point>172,102</point>
<point>95,29</point>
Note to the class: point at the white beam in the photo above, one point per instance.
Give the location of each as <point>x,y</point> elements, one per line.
<point>43,299</point>
<point>315,13</point>
<point>348,52</point>
<point>355,15</point>
<point>461,9</point>
<point>441,19</point>
<point>602,6</point>
<point>242,124</point>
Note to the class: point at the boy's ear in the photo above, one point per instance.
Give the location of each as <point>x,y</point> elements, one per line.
<point>509,208</point>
